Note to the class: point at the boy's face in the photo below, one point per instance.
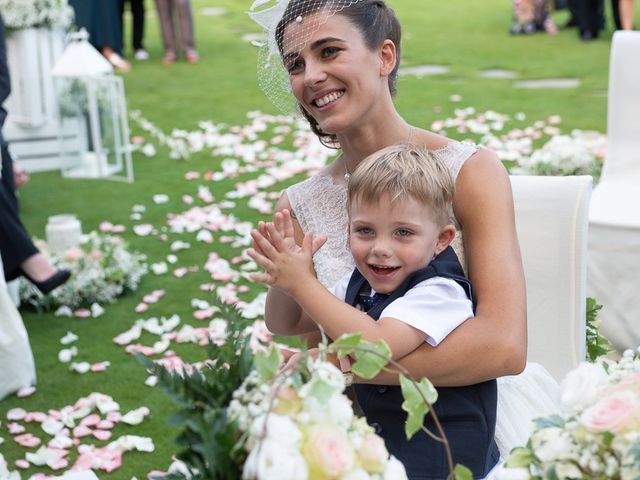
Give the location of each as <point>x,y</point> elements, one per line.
<point>389,241</point>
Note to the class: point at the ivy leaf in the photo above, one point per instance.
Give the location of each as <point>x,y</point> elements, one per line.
<point>371,358</point>
<point>267,364</point>
<point>520,457</point>
<point>462,473</point>
<point>415,394</point>
<point>346,344</point>
<point>549,422</point>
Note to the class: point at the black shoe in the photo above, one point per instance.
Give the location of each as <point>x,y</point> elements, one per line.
<point>587,35</point>
<point>51,283</point>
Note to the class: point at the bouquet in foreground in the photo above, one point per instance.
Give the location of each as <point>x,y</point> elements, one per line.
<point>102,269</point>
<point>245,415</point>
<point>598,434</point>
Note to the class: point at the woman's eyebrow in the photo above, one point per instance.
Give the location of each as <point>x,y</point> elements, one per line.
<point>318,43</point>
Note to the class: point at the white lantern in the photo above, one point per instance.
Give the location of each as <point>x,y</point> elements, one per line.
<point>94,130</point>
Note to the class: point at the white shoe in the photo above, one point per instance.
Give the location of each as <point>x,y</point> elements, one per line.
<point>141,54</point>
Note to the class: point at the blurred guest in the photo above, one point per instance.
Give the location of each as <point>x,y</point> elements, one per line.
<point>101,18</point>
<point>182,11</point>
<point>530,16</point>
<point>19,255</point>
<point>625,15</point>
<point>590,17</point>
<point>137,27</point>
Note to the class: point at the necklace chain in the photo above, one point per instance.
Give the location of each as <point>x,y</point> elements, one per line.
<point>347,174</point>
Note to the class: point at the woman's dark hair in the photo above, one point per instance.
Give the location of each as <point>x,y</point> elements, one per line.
<point>373,18</point>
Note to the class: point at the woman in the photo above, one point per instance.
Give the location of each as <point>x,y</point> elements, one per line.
<point>342,60</point>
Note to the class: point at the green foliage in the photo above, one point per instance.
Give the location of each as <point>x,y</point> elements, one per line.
<point>597,345</point>
<point>462,473</point>
<point>548,422</point>
<point>371,359</point>
<point>207,439</point>
<point>520,457</point>
<point>418,398</point>
<point>267,363</point>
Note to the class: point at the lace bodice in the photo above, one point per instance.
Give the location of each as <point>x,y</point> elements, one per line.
<point>320,205</point>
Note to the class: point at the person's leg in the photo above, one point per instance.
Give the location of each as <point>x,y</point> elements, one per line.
<point>8,180</point>
<point>185,21</point>
<point>137,12</point>
<point>626,14</point>
<point>16,246</point>
<point>164,8</point>
<point>615,10</point>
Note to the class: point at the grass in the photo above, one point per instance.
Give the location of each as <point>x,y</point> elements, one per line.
<point>467,36</point>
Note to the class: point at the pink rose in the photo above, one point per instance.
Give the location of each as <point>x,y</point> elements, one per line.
<point>72,254</point>
<point>373,453</point>
<point>328,452</point>
<point>96,255</point>
<point>615,413</point>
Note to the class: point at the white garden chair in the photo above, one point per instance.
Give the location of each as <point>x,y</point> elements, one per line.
<point>551,220</point>
<point>614,217</point>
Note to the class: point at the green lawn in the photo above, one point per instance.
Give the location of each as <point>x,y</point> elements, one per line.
<point>467,36</point>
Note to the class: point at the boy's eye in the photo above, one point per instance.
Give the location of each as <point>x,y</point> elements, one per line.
<point>403,232</point>
<point>363,230</point>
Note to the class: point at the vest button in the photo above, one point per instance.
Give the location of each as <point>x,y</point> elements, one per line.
<point>382,389</point>
<point>377,427</point>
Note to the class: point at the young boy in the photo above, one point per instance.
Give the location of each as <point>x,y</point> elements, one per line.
<point>412,287</point>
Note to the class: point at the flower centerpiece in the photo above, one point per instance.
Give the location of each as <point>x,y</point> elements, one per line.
<point>245,415</point>
<point>102,268</point>
<point>579,153</point>
<point>19,14</point>
<point>597,436</point>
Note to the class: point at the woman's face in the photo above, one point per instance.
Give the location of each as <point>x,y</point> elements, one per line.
<point>335,76</point>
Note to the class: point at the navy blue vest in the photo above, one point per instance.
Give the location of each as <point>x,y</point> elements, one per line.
<point>467,414</point>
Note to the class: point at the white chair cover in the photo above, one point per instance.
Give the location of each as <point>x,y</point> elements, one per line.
<point>614,217</point>
<point>17,368</point>
<point>551,219</point>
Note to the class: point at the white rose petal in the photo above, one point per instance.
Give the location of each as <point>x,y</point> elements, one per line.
<point>270,460</point>
<point>63,311</point>
<point>70,337</point>
<point>80,367</point>
<point>66,354</point>
<point>160,198</point>
<point>394,470</point>
<point>580,387</point>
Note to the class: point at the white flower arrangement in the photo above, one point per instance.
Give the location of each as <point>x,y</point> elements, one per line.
<point>598,433</point>
<point>308,430</point>
<point>19,14</point>
<point>577,154</point>
<point>102,268</point>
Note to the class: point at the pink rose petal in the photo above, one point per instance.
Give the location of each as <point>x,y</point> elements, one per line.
<point>141,307</point>
<point>82,313</point>
<point>27,440</point>
<point>90,420</point>
<point>105,425</point>
<point>114,417</point>
<point>100,366</point>
<point>102,434</point>
<point>25,392</point>
<point>82,431</point>
<point>16,414</point>
<point>58,463</point>
<point>22,463</point>
<point>105,226</point>
<point>16,428</point>
<point>37,417</point>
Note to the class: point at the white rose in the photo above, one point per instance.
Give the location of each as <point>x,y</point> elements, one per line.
<point>559,447</point>
<point>274,427</point>
<point>271,460</point>
<point>567,470</point>
<point>394,470</point>
<point>505,473</point>
<point>580,387</point>
<point>338,409</point>
<point>357,474</point>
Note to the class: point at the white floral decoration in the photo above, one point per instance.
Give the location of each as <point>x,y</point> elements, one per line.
<point>19,14</point>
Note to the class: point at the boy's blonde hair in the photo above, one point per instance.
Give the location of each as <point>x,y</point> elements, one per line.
<point>404,171</point>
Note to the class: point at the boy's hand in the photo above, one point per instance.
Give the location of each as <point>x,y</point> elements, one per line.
<point>284,262</point>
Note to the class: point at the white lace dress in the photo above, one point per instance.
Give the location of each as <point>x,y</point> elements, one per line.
<point>320,205</point>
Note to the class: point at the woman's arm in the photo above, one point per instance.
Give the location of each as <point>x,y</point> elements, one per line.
<point>494,342</point>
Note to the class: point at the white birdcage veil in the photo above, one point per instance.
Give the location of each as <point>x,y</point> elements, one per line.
<point>274,16</point>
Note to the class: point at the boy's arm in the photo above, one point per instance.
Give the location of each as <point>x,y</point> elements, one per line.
<point>291,270</point>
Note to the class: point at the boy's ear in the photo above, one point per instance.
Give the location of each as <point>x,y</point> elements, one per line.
<point>445,237</point>
<point>388,57</point>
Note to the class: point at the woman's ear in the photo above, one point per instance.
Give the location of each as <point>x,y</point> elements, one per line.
<point>388,57</point>
<point>445,237</point>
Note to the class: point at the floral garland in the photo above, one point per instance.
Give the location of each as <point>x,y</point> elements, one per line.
<point>19,14</point>
<point>102,268</point>
<point>598,433</point>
